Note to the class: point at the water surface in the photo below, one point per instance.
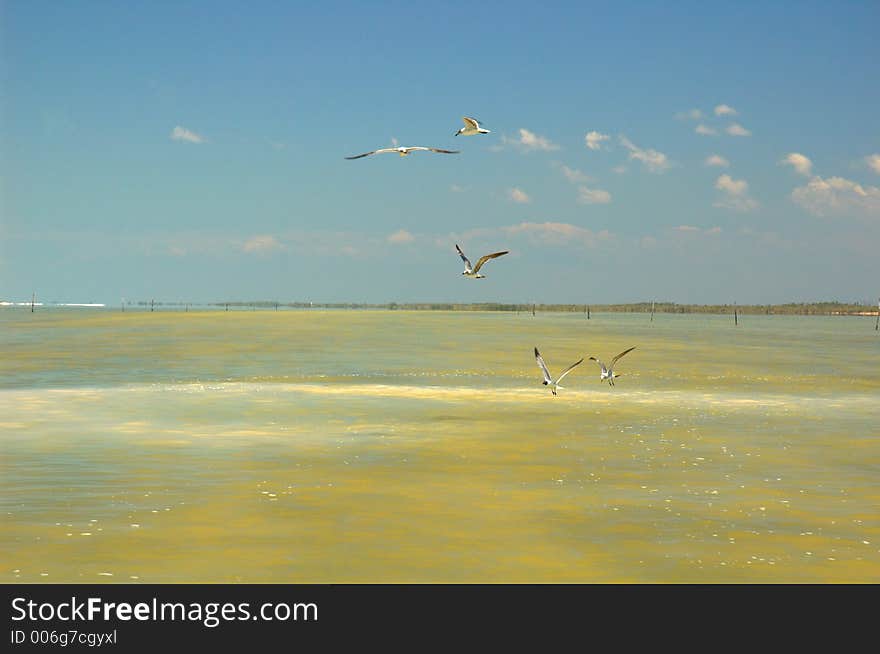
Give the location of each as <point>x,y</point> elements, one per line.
<point>390,446</point>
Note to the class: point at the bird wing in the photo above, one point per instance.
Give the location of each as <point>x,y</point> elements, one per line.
<point>543,367</point>
<point>568,370</point>
<point>614,360</point>
<point>486,257</point>
<point>438,150</point>
<point>600,363</point>
<point>473,123</point>
<point>467,261</point>
<point>365,154</point>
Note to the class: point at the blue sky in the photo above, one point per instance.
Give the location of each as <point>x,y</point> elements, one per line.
<point>677,151</point>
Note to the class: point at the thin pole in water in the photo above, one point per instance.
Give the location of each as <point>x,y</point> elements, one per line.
<point>877,326</point>
<point>735,318</point>
<point>33,300</point>
<point>533,310</point>
<point>652,310</point>
<point>151,304</point>
<point>227,306</point>
<point>588,312</point>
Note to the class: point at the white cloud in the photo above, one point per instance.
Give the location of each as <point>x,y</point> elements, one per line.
<point>692,114</point>
<point>838,196</point>
<point>737,130</point>
<point>735,194</point>
<point>716,160</point>
<point>529,141</point>
<point>455,188</point>
<point>182,134</point>
<point>594,140</point>
<point>552,233</point>
<point>705,130</point>
<point>518,195</point>
<point>262,244</point>
<point>873,161</point>
<point>690,229</point>
<point>799,162</point>
<point>593,196</point>
<point>401,236</point>
<point>725,110</point>
<point>574,176</point>
<point>654,161</point>
<point>619,170</point>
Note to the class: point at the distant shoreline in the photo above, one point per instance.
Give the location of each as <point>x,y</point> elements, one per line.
<point>792,308</point>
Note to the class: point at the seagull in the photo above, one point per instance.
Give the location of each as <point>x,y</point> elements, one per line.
<point>548,380</point>
<point>608,373</point>
<point>474,271</point>
<point>403,151</point>
<point>471,127</point>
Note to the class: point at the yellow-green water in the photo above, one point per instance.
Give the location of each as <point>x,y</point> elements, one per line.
<point>347,446</point>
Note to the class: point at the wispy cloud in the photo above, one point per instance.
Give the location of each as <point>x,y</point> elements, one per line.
<point>654,161</point>
<point>838,196</point>
<point>518,195</point>
<point>735,194</point>
<point>691,114</point>
<point>690,229</point>
<point>262,244</point>
<point>553,233</point>
<point>716,160</point>
<point>455,188</point>
<point>873,161</point>
<point>187,136</point>
<point>593,195</point>
<point>529,141</point>
<point>705,130</point>
<point>725,110</point>
<point>619,170</point>
<point>593,140</point>
<point>573,175</point>
<point>801,163</point>
<point>401,236</point>
<point>737,130</point>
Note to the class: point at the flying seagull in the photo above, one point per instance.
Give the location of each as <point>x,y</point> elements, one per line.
<point>403,151</point>
<point>608,373</point>
<point>471,127</point>
<point>548,380</point>
<point>474,271</point>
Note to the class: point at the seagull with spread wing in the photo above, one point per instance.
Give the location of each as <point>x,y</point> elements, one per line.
<point>473,272</point>
<point>471,127</point>
<point>608,373</point>
<point>403,151</point>
<point>548,379</point>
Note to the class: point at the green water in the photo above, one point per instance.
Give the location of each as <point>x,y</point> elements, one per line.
<point>386,446</point>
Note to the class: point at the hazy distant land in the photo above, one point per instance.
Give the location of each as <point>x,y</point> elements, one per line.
<point>824,308</point>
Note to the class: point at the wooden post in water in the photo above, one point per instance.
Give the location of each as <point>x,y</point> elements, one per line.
<point>227,306</point>
<point>877,325</point>
<point>652,310</point>
<point>33,300</point>
<point>588,312</point>
<point>151,304</point>
<point>533,310</point>
<point>735,319</point>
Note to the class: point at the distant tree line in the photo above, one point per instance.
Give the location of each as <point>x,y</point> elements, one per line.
<point>825,308</point>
